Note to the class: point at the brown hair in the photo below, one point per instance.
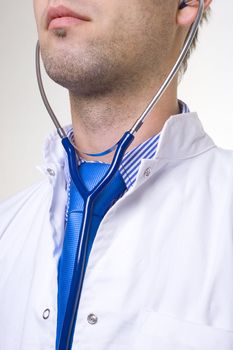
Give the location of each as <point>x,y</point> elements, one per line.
<point>194,44</point>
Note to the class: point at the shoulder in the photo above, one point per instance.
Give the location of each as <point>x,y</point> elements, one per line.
<point>24,205</point>
<point>224,155</point>
<point>219,164</point>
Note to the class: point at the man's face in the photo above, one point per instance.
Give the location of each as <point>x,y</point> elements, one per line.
<point>119,43</point>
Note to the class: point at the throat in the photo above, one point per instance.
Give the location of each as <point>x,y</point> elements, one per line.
<point>99,126</point>
<point>99,123</point>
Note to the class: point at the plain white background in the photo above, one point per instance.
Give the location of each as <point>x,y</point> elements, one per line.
<point>206,87</point>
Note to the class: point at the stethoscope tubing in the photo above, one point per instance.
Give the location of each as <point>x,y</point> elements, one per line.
<point>89,197</point>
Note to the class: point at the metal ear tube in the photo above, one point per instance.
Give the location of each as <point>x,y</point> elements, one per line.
<point>152,104</point>
<point>175,69</point>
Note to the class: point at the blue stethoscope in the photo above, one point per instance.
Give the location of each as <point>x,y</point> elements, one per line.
<point>89,197</point>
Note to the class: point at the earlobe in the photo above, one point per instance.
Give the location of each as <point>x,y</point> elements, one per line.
<point>188,10</point>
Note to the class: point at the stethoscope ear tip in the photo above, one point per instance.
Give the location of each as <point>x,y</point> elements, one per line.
<point>183,4</point>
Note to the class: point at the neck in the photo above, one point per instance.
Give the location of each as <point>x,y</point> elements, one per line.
<point>100,121</point>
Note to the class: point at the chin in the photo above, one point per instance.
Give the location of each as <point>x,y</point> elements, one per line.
<point>78,72</point>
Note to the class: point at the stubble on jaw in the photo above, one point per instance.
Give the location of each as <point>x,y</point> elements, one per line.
<point>115,59</point>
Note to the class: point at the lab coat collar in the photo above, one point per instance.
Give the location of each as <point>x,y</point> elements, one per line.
<point>183,137</point>
<point>54,152</point>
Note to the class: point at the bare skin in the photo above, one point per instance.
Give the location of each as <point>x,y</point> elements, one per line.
<point>113,62</point>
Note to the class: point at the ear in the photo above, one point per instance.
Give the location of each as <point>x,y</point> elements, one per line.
<point>186,16</point>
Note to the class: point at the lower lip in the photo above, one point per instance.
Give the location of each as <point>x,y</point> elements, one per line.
<point>63,22</point>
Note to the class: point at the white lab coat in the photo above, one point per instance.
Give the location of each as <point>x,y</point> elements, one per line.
<point>160,274</point>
